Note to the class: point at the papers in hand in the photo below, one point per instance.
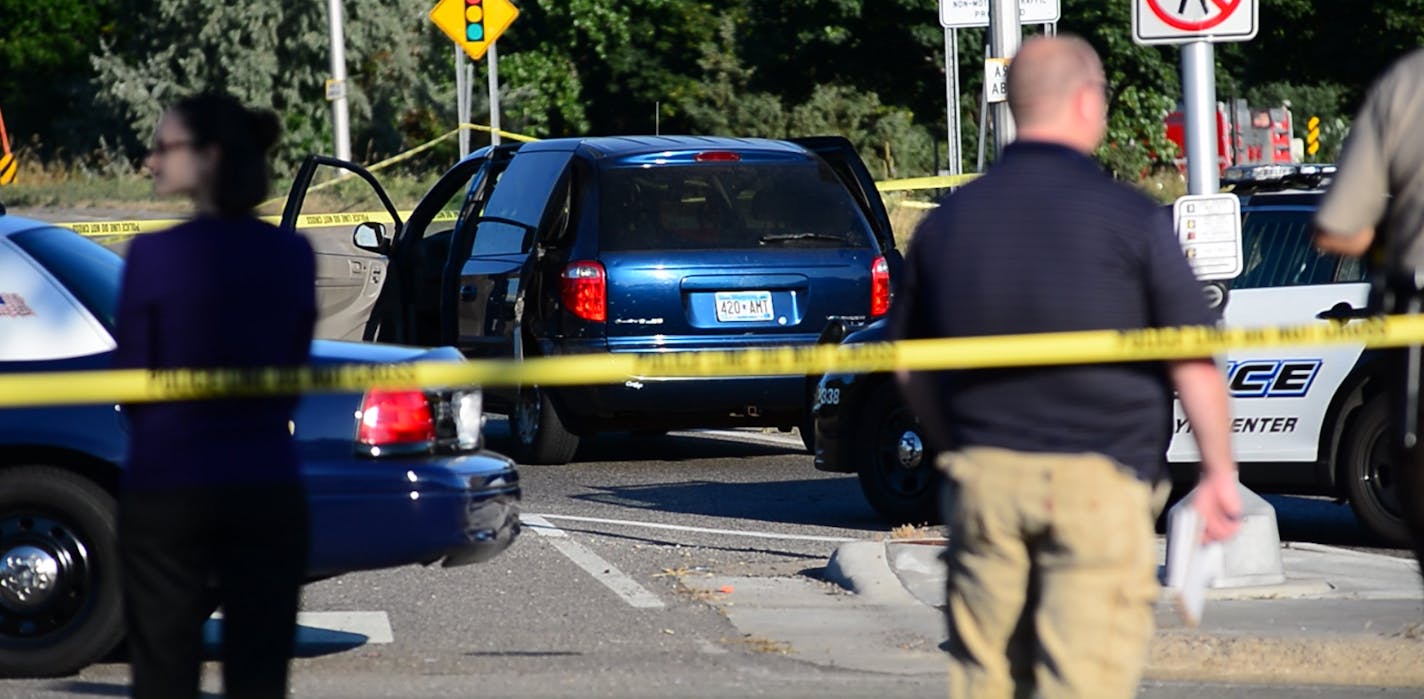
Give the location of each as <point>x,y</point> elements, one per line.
<point>1192,566</point>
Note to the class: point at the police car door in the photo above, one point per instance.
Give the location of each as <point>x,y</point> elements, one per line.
<point>1280,396</point>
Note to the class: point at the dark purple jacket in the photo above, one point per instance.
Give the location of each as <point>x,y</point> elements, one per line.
<point>215,293</point>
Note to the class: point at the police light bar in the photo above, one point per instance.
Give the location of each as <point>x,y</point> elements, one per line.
<point>1281,175</point>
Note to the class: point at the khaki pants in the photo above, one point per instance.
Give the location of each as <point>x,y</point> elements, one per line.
<point>1052,574</point>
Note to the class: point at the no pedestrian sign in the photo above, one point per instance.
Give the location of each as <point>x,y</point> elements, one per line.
<point>1185,21</point>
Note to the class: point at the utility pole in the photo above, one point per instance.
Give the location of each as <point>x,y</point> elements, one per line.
<point>336,88</point>
<point>493,93</point>
<point>1005,35</point>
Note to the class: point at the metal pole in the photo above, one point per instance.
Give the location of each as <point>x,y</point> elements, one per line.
<point>493,93</point>
<point>462,101</point>
<point>1005,34</point>
<point>983,121</point>
<point>1199,88</point>
<point>339,119</point>
<point>951,81</point>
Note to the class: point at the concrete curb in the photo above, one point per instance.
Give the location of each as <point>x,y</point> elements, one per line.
<point>901,573</point>
<point>862,567</point>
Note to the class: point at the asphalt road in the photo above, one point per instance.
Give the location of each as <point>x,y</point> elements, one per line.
<point>605,593</point>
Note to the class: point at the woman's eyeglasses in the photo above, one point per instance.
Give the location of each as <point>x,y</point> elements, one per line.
<point>162,148</point>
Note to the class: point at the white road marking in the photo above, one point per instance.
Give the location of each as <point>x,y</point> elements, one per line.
<point>699,530</point>
<point>625,587</point>
<point>779,439</point>
<point>325,628</point>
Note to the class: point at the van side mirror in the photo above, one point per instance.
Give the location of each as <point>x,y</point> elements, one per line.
<point>371,237</point>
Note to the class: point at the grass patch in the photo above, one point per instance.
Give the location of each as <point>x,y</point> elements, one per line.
<point>916,531</point>
<point>756,644</point>
<point>98,182</point>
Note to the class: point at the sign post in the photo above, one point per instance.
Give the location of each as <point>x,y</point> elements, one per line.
<point>971,14</point>
<point>951,84</point>
<point>1005,35</point>
<point>1209,227</point>
<point>1196,25</point>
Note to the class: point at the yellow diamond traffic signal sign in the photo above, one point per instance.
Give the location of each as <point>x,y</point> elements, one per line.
<point>1312,135</point>
<point>474,24</point>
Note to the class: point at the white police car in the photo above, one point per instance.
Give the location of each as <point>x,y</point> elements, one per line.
<point>1307,420</point>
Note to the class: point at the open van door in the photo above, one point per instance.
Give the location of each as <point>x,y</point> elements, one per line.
<point>494,275</point>
<point>350,221</point>
<point>841,156</point>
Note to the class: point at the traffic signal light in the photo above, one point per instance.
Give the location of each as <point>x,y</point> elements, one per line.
<point>474,20</point>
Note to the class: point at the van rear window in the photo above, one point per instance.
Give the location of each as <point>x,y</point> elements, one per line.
<point>728,206</point>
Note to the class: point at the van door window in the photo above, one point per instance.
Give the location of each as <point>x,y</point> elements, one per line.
<point>523,194</point>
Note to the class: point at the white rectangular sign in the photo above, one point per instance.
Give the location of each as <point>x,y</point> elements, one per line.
<point>960,14</point>
<point>1185,21</point>
<point>1209,229</point>
<point>996,80</point>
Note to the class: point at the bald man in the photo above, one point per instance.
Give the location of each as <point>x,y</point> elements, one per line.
<point>1055,474</point>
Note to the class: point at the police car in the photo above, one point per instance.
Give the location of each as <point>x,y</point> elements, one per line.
<point>1307,420</point>
<point>393,477</point>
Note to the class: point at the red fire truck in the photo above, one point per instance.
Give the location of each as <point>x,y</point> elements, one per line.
<point>1245,135</point>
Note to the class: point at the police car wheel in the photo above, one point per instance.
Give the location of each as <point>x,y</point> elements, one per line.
<point>895,466</point>
<point>1371,476</point>
<point>540,436</point>
<point>60,607</point>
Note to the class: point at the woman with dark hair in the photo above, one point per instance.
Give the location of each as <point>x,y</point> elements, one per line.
<point>211,506</point>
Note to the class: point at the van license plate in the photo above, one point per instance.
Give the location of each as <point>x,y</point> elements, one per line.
<point>742,306</point>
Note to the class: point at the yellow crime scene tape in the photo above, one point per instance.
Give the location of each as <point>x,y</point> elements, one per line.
<point>936,182</point>
<point>1087,347</point>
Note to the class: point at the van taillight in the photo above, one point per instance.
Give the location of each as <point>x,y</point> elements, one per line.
<point>395,418</point>
<point>879,287</point>
<point>584,288</point>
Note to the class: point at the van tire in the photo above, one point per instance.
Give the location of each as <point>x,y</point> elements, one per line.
<point>1370,474</point>
<point>540,436</point>
<point>72,518</point>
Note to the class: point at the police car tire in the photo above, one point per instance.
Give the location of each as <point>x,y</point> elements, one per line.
<point>81,507</point>
<point>540,436</point>
<point>1368,426</point>
<point>881,412</point>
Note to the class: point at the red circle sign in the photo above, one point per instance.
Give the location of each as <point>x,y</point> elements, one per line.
<point>1223,9</point>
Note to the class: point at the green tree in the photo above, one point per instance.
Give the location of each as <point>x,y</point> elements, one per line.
<point>276,55</point>
<point>44,50</point>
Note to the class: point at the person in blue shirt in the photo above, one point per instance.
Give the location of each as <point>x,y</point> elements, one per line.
<point>1055,473</point>
<point>210,502</point>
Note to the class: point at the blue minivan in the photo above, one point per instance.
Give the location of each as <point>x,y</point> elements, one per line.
<point>616,244</point>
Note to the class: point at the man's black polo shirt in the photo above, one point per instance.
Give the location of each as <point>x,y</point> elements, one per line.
<point>1046,242</point>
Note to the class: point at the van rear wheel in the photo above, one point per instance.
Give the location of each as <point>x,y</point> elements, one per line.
<point>540,436</point>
